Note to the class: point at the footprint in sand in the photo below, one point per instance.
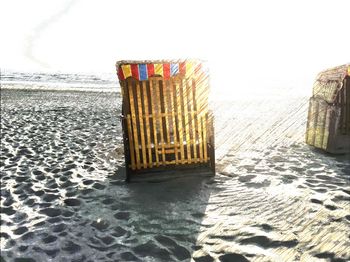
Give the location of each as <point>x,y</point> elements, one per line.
<point>233,257</point>
<point>8,201</point>
<point>108,201</point>
<point>87,191</point>
<point>266,227</point>
<point>67,213</point>
<point>100,225</point>
<point>20,230</point>
<point>51,212</point>
<point>52,252</point>
<point>72,202</point>
<point>245,179</point>
<point>50,197</point>
<point>205,258</point>
<point>329,255</point>
<point>22,248</point>
<point>19,217</point>
<point>331,207</point>
<point>178,251</point>
<point>63,178</point>
<point>8,211</point>
<point>24,259</point>
<point>27,236</point>
<point>128,256</point>
<point>71,247</point>
<point>122,215</point>
<point>39,193</point>
<point>54,220</point>
<point>4,235</point>
<point>320,190</point>
<point>107,240</point>
<point>21,179</point>
<point>289,177</point>
<point>49,239</point>
<point>69,184</point>
<point>316,201</point>
<point>98,186</point>
<point>71,192</point>
<point>59,228</point>
<point>341,198</point>
<point>151,249</point>
<point>266,242</point>
<point>88,182</point>
<point>119,231</point>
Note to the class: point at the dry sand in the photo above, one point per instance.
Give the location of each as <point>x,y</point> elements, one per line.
<point>63,195</point>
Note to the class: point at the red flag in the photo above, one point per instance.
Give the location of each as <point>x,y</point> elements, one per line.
<point>120,74</point>
<point>182,68</point>
<point>166,71</point>
<point>135,71</point>
<point>150,69</point>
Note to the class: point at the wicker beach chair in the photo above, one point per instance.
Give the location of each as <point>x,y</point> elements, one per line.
<point>167,125</point>
<point>328,125</point>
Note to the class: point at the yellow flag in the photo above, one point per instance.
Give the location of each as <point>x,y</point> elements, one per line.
<point>158,69</point>
<point>126,71</point>
<point>189,68</point>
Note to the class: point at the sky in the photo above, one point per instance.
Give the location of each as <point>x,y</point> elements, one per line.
<point>252,42</point>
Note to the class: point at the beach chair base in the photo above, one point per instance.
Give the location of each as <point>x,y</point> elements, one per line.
<point>168,173</point>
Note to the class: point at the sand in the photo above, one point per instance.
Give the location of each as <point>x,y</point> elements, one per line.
<point>63,195</point>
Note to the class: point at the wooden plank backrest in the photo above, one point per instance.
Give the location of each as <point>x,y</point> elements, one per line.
<point>167,121</point>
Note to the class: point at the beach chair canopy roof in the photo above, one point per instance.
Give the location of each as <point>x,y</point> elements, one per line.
<point>142,70</point>
<point>330,82</point>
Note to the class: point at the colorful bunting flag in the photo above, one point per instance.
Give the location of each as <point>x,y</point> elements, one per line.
<point>135,71</point>
<point>174,69</point>
<point>150,69</point>
<point>126,71</point>
<point>158,69</point>
<point>144,71</point>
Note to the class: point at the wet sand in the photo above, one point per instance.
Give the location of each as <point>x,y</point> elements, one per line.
<point>63,195</point>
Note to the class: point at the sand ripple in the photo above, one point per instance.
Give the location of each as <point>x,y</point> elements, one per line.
<point>63,197</point>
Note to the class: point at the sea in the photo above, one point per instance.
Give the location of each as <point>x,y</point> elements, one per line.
<point>94,82</point>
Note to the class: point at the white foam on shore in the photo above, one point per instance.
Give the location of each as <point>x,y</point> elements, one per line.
<point>48,87</point>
